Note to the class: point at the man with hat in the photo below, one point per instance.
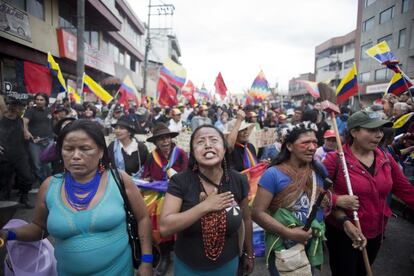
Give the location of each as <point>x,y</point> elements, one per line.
<point>328,145</point>
<point>14,158</point>
<point>126,152</point>
<point>163,162</point>
<point>175,124</point>
<point>243,153</point>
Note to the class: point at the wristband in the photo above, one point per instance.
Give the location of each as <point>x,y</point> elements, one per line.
<point>11,235</point>
<point>147,258</point>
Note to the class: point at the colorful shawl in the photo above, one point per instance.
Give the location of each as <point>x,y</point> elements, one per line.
<point>249,158</point>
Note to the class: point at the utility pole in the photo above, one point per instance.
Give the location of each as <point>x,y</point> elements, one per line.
<point>80,56</point>
<point>164,9</point>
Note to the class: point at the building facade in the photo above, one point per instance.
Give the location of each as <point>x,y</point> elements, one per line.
<point>29,29</point>
<point>333,58</point>
<point>297,90</point>
<point>383,20</point>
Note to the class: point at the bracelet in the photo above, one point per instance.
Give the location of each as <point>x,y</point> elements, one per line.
<point>11,235</point>
<point>249,257</point>
<point>147,258</point>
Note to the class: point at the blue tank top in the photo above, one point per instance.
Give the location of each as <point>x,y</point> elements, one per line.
<point>93,241</point>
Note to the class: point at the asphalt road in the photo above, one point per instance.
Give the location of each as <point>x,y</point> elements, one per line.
<point>393,258</point>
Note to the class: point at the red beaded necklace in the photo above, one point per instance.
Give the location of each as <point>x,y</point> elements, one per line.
<point>213,226</point>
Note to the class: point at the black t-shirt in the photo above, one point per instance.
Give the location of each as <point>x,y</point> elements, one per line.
<point>237,156</point>
<point>40,122</point>
<point>132,164</point>
<point>189,247</point>
<point>370,169</point>
<point>12,138</point>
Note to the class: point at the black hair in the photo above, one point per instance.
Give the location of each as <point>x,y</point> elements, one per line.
<point>310,115</point>
<point>92,108</point>
<point>284,153</point>
<point>44,96</point>
<point>192,162</point>
<point>348,137</point>
<point>92,129</point>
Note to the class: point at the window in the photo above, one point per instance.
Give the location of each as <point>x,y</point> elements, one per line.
<point>349,63</point>
<point>67,17</point>
<point>368,2</point>
<point>33,7</point>
<point>382,74</point>
<point>121,58</point>
<point>133,64</point>
<point>349,46</point>
<point>36,8</point>
<point>368,24</point>
<point>127,61</point>
<point>405,5</point>
<point>386,15</point>
<point>387,38</point>
<point>94,41</point>
<point>401,38</point>
<point>364,77</point>
<point>116,54</point>
<point>363,49</point>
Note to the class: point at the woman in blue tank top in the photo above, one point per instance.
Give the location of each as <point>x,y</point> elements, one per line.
<point>84,211</point>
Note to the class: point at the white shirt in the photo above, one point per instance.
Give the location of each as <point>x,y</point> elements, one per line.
<point>175,127</point>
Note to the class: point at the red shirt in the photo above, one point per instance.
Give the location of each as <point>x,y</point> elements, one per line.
<point>153,171</point>
<point>372,191</point>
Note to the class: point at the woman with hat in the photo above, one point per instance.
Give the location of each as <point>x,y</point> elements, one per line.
<point>83,209</point>
<point>373,174</point>
<point>205,206</point>
<point>175,124</point>
<point>243,153</point>
<point>165,160</point>
<point>328,145</point>
<point>126,152</point>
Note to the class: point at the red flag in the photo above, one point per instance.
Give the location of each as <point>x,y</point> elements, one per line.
<point>167,95</point>
<point>188,92</point>
<point>37,78</point>
<point>221,88</point>
<point>125,98</point>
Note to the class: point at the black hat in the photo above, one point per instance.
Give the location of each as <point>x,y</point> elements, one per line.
<point>161,129</point>
<point>125,122</point>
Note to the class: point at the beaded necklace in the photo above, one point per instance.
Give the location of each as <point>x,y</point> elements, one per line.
<point>213,225</point>
<point>79,195</point>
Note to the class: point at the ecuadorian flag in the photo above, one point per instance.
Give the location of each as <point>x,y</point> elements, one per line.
<point>348,86</point>
<point>73,95</point>
<point>96,89</point>
<point>173,72</point>
<point>55,69</point>
<point>399,84</point>
<point>382,53</point>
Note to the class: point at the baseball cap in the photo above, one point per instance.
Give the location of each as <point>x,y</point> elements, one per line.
<point>329,134</point>
<point>176,111</point>
<point>367,119</point>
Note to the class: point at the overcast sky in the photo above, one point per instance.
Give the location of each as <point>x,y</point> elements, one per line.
<point>239,38</point>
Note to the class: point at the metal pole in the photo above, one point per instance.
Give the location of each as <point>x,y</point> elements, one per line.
<point>80,59</point>
<point>147,47</point>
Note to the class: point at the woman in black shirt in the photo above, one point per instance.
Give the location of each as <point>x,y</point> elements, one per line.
<point>126,153</point>
<point>207,206</point>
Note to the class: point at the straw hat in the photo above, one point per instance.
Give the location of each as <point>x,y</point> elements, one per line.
<point>243,126</point>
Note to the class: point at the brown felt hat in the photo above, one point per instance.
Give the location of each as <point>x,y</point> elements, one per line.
<point>161,129</point>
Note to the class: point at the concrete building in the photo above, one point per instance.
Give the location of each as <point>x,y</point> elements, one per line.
<point>379,20</point>
<point>29,29</point>
<point>297,90</point>
<point>334,57</point>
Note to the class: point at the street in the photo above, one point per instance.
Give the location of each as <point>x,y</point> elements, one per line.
<point>393,258</point>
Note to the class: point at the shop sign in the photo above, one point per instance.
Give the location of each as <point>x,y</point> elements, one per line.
<point>93,57</point>
<point>14,21</point>
<point>377,88</point>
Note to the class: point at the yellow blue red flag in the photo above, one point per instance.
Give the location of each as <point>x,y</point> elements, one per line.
<point>399,84</point>
<point>96,89</point>
<point>55,70</point>
<point>173,72</point>
<point>73,95</point>
<point>348,86</point>
<point>382,53</point>
<point>311,87</point>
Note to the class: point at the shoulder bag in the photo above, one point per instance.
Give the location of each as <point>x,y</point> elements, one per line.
<point>132,224</point>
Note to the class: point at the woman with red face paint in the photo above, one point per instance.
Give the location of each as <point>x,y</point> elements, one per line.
<point>373,174</point>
